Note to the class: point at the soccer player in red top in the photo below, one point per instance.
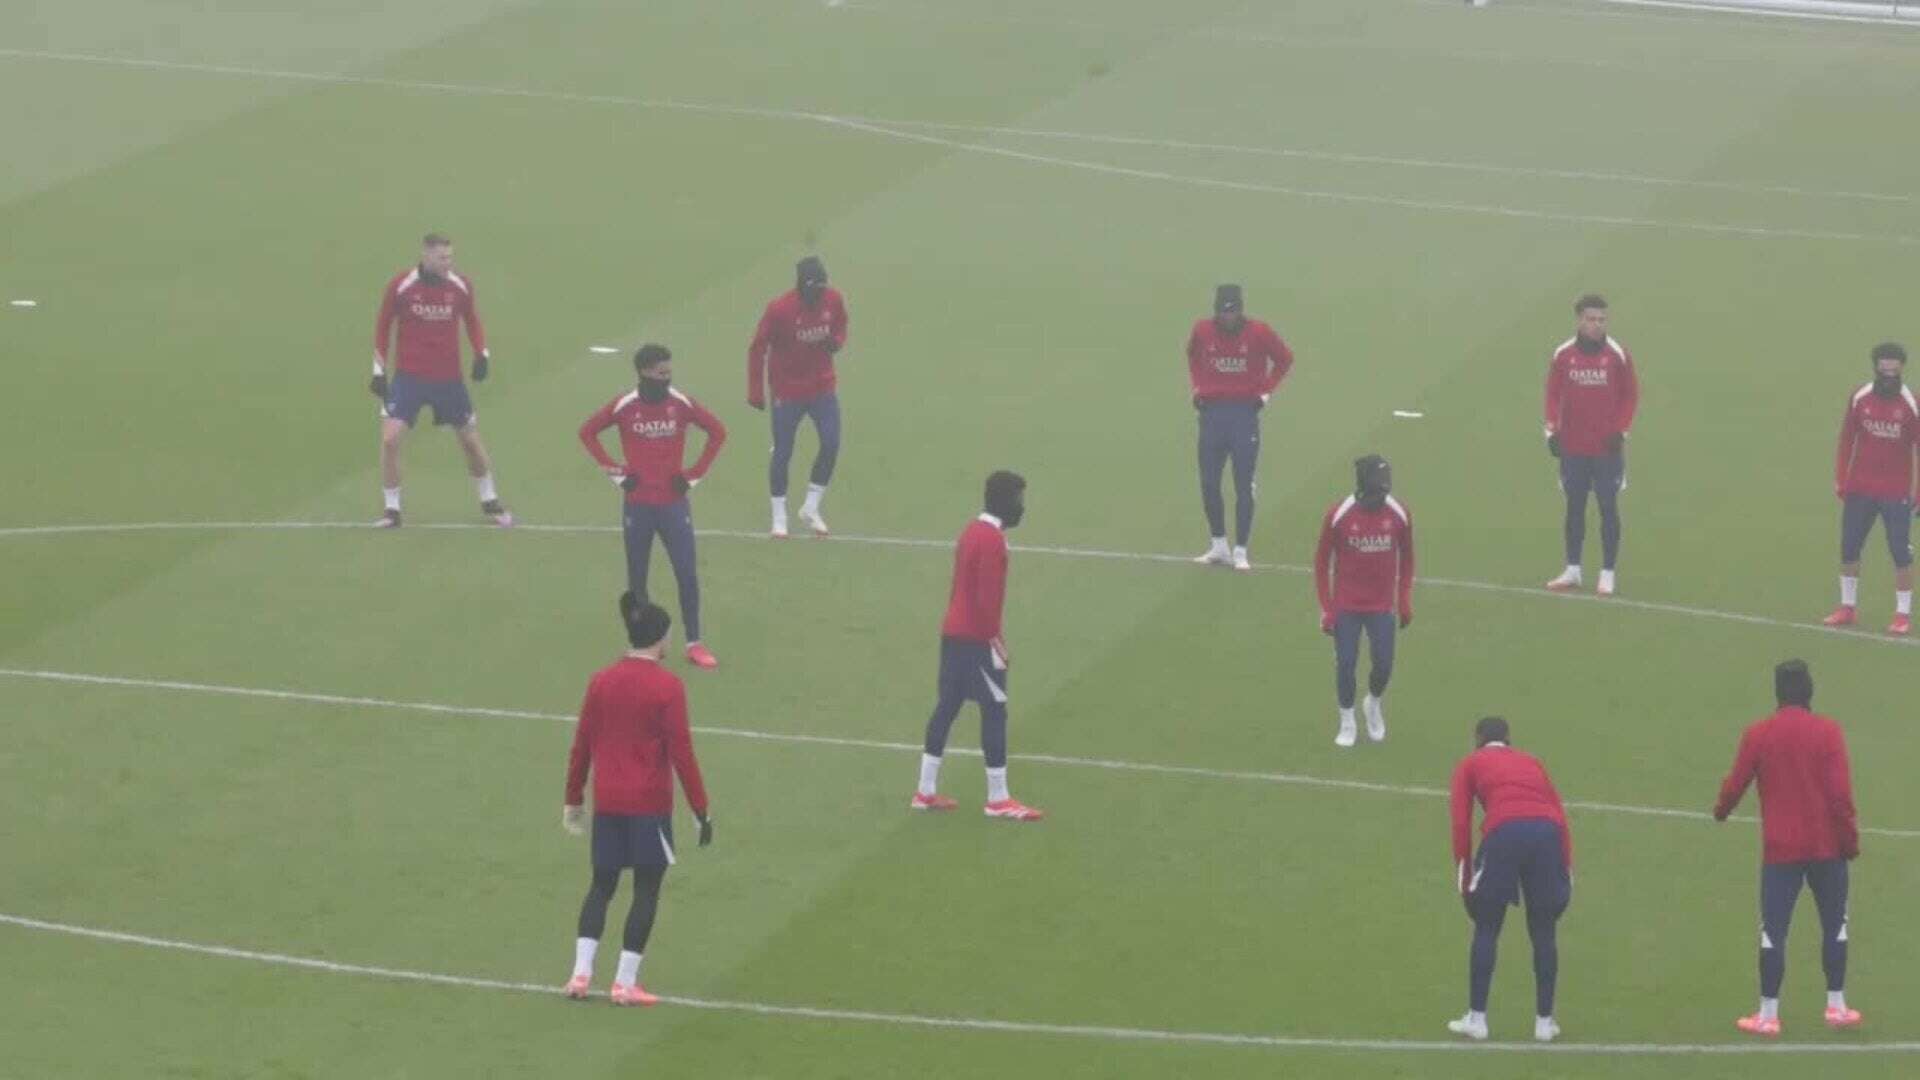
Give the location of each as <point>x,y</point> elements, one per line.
<point>653,421</point>
<point>1808,836</point>
<point>1592,393</point>
<point>792,351</point>
<point>973,652</point>
<point>1363,571</point>
<point>1874,476</point>
<point>428,303</point>
<point>1526,850</point>
<point>633,737</point>
<point>1235,364</point>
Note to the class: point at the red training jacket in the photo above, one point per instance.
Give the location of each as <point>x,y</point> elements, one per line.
<point>426,307</point>
<point>1511,785</point>
<point>790,348</point>
<point>1364,563</point>
<point>1236,367</point>
<point>634,738</point>
<point>1878,438</point>
<point>653,438</point>
<point>979,593</point>
<point>1591,397</point>
<point>1806,787</point>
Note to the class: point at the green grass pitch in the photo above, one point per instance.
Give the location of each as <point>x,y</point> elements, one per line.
<point>1026,204</point>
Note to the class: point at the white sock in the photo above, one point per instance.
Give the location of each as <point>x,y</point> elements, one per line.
<point>780,509</point>
<point>1372,704</point>
<point>1346,718</point>
<point>1218,546</point>
<point>1239,552</point>
<point>997,785</point>
<point>583,950</point>
<point>929,774</point>
<point>484,485</point>
<point>1903,602</point>
<point>1769,1008</point>
<point>1476,1017</point>
<point>811,505</point>
<point>1573,572</point>
<point>1849,591</point>
<point>629,971</point>
<point>1606,579</point>
<point>1836,999</point>
<point>392,497</point>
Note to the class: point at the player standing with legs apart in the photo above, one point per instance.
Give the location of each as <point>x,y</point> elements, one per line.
<point>653,421</point>
<point>1592,393</point>
<point>792,351</point>
<point>1808,836</point>
<point>1526,851</point>
<point>1875,477</point>
<point>428,303</point>
<point>1363,571</point>
<point>1235,364</point>
<point>973,652</point>
<point>633,737</point>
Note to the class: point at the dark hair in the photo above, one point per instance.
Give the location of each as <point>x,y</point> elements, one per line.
<point>434,239</point>
<point>647,623</point>
<point>1491,729</point>
<point>1004,486</point>
<point>1592,301</point>
<point>650,355</point>
<point>1793,683</point>
<point>1889,350</point>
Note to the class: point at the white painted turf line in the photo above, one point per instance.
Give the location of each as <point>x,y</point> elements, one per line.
<point>1017,1027</point>
<point>900,130</point>
<point>916,542</point>
<point>1191,771</point>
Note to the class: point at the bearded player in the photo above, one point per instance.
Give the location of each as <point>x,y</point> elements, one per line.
<point>427,304</point>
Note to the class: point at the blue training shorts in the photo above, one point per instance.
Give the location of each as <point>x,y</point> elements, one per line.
<point>407,395</point>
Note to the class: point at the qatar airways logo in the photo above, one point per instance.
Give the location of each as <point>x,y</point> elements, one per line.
<point>656,429</point>
<point>1588,376</point>
<point>432,312</point>
<point>1883,429</point>
<point>811,335</point>
<point>1370,543</point>
<point>1230,365</point>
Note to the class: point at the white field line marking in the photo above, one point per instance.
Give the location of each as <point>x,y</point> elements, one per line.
<point>960,1023</point>
<point>1191,771</point>
<point>917,542</point>
<point>23,303</point>
<point>757,112</point>
<point>1358,199</point>
<point>1717,12</point>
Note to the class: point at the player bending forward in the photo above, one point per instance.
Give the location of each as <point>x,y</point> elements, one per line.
<point>1526,851</point>
<point>973,652</point>
<point>428,303</point>
<point>633,737</point>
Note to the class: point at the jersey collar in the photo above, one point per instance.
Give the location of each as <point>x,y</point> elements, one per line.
<point>991,520</point>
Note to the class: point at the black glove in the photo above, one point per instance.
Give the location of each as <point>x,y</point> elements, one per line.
<point>1553,444</point>
<point>377,386</point>
<point>680,484</point>
<point>1617,444</point>
<point>706,829</point>
<point>480,367</point>
<point>629,482</point>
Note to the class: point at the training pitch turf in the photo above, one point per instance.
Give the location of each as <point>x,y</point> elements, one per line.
<point>1026,204</point>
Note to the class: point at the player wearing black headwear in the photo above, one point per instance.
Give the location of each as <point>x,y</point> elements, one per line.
<point>1363,571</point>
<point>1235,364</point>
